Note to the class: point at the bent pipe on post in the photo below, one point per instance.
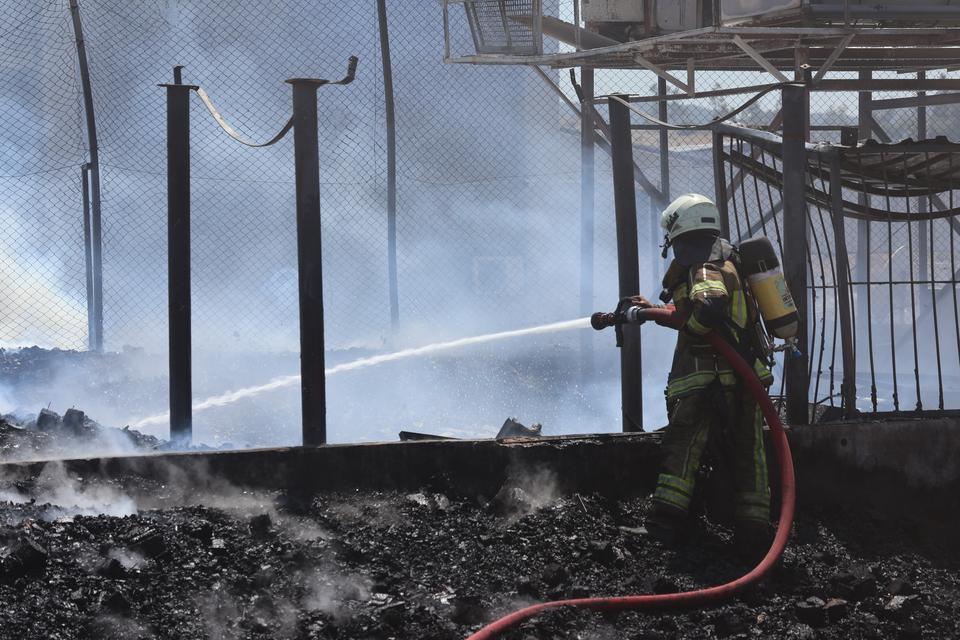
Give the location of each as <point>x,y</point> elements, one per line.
<point>668,317</point>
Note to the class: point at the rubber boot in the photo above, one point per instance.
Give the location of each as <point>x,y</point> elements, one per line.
<point>664,527</point>
<point>751,540</point>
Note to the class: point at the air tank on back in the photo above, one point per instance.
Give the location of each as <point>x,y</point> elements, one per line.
<point>760,267</point>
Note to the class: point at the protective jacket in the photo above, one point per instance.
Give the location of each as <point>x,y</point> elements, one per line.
<point>712,293</point>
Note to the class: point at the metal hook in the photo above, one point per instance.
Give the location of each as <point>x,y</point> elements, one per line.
<point>351,71</point>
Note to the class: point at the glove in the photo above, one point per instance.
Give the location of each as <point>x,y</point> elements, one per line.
<point>640,301</point>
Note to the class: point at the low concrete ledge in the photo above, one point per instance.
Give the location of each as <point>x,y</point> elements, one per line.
<point>904,468</point>
<point>616,464</point>
<point>921,453</point>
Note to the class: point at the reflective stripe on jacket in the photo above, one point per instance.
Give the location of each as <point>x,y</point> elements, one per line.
<point>710,294</point>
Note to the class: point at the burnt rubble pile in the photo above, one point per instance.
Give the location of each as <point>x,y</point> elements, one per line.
<point>73,433</point>
<point>428,566</point>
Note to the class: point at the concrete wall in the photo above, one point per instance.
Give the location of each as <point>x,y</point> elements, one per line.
<point>920,453</point>
<point>908,469</point>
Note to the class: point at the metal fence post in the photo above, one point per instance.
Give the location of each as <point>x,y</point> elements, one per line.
<point>720,184</point>
<point>391,164</point>
<point>178,258</point>
<point>848,387</point>
<point>864,244</point>
<point>88,257</point>
<point>95,292</point>
<point>628,259</point>
<point>587,210</point>
<point>656,206</point>
<point>795,214</point>
<point>923,232</point>
<point>309,260</point>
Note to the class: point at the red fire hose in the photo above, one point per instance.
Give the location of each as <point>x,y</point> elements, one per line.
<point>667,317</point>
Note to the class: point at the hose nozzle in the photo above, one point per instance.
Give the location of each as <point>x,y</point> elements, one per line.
<point>602,319</point>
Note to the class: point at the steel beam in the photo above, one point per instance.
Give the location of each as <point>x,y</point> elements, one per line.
<point>848,387</point>
<point>922,99</point>
<point>656,207</point>
<point>889,84</point>
<point>862,267</point>
<point>178,259</point>
<point>795,245</point>
<point>95,304</point>
<point>587,187</point>
<point>757,57</point>
<point>309,261</point>
<point>391,124</point>
<point>601,125</point>
<point>628,261</point>
<point>923,203</point>
<point>832,58</point>
<point>88,256</point>
<point>686,87</point>
<point>720,184</point>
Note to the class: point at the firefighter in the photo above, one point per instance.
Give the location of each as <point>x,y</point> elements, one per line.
<point>702,391</point>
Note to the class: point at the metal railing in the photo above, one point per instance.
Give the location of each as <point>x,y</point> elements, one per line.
<point>883,328</point>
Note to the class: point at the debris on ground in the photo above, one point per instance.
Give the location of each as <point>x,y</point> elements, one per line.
<point>513,429</point>
<point>74,433</point>
<point>432,566</point>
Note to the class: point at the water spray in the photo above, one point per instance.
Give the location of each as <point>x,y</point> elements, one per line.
<point>362,363</point>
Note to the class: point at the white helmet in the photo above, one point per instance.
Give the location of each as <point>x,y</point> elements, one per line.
<point>690,212</point>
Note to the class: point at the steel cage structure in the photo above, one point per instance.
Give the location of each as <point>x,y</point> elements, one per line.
<point>868,231</point>
<point>880,242</point>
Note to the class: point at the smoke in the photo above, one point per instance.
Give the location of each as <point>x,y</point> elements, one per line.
<point>330,591</point>
<point>64,495</point>
<point>7,403</point>
<point>35,306</point>
<point>526,491</point>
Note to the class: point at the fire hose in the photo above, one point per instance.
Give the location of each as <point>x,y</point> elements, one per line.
<point>668,317</point>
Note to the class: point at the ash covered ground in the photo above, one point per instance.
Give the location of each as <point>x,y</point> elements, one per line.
<point>431,565</point>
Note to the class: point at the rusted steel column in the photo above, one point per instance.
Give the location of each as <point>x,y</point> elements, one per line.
<point>656,206</point>
<point>848,387</point>
<point>862,267</point>
<point>795,244</point>
<point>628,260</point>
<point>309,261</point>
<point>390,117</point>
<point>88,257</point>
<point>587,188</point>
<point>720,184</point>
<point>95,244</point>
<point>178,259</point>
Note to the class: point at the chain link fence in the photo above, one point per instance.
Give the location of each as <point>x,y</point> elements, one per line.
<point>41,246</point>
<point>488,172</point>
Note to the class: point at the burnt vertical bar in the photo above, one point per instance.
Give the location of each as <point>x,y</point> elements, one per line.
<point>663,114</point>
<point>848,387</point>
<point>95,293</point>
<point>720,184</point>
<point>309,261</point>
<point>933,292</point>
<point>389,114</point>
<point>922,203</point>
<point>862,270</point>
<point>178,258</point>
<point>587,211</point>
<point>88,257</point>
<point>628,259</point>
<point>795,215</point>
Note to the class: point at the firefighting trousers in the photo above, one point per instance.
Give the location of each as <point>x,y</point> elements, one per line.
<point>738,421</point>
